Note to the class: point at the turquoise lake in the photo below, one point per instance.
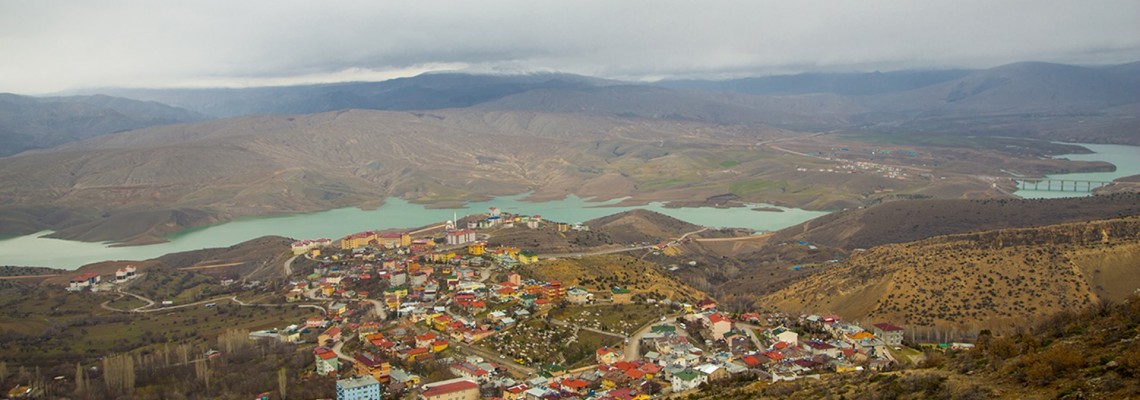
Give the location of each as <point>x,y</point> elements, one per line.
<point>36,250</point>
<point>1125,158</point>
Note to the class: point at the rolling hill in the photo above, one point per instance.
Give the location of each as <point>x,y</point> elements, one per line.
<point>997,279</point>
<point>28,123</point>
<point>1033,99</point>
<point>137,185</point>
<point>851,84</point>
<point>429,91</point>
<point>740,274</point>
<point>907,221</point>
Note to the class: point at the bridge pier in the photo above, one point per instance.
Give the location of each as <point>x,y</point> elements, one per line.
<point>1062,185</point>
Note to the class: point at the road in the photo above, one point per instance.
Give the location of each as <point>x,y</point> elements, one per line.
<point>211,266</point>
<point>288,265</point>
<point>150,303</point>
<point>336,349</point>
<point>379,309</point>
<point>730,239</point>
<point>751,331</point>
<point>433,227</point>
<point>633,348</point>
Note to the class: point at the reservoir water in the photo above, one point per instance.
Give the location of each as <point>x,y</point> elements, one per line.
<point>1125,158</point>
<point>36,250</point>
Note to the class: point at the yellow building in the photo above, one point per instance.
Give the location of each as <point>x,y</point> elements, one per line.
<point>476,248</point>
<point>358,240</point>
<point>392,240</point>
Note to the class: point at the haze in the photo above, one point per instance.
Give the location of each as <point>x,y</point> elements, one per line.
<point>51,46</point>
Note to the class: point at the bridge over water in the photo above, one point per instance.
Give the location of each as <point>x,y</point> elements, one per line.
<point>1059,185</point>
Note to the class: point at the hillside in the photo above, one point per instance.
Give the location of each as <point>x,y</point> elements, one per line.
<point>599,274</point>
<point>992,279</point>
<point>136,186</point>
<point>1050,101</point>
<point>640,226</point>
<point>906,221</point>
<point>853,84</point>
<point>424,92</point>
<point>634,227</point>
<point>737,274</point>
<point>1089,353</point>
<point>41,122</point>
<point>256,259</point>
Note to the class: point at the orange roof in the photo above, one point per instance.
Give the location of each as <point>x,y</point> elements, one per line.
<point>449,388</point>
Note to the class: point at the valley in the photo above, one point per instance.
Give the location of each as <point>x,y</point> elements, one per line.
<point>566,236</point>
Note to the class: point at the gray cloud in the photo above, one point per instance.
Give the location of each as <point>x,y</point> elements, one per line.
<point>55,45</point>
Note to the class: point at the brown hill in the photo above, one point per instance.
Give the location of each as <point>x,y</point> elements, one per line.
<point>601,273</point>
<point>617,230</point>
<point>906,221</point>
<point>218,170</point>
<point>257,259</point>
<point>737,274</point>
<point>641,226</point>
<point>994,279</point>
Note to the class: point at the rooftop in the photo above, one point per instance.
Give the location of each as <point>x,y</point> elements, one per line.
<point>450,388</point>
<point>352,383</point>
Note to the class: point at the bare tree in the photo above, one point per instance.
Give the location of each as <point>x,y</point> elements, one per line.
<point>282,381</point>
<point>80,381</point>
<point>119,373</point>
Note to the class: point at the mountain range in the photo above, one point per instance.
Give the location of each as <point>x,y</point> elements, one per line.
<point>134,170</point>
<point>43,122</point>
<point>1036,99</point>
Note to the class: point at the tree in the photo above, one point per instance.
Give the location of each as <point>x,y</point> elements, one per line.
<point>282,381</point>
<point>119,373</point>
<point>80,381</point>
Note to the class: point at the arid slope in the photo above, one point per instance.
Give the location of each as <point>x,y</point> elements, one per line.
<point>994,279</point>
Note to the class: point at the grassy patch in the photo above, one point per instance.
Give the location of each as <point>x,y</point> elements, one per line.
<point>744,188</point>
<point>622,319</point>
<point>729,163</point>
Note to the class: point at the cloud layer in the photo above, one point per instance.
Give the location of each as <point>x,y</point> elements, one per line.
<point>57,45</point>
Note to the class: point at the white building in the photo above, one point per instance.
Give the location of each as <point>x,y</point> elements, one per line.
<point>460,237</point>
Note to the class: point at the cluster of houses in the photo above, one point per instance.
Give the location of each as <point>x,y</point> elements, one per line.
<point>93,281</point>
<point>410,304</point>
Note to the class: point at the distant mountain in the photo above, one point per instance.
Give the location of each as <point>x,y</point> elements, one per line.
<point>807,112</point>
<point>1048,101</point>
<point>850,84</point>
<point>1021,87</point>
<point>1041,100</point>
<point>42,122</point>
<point>423,92</point>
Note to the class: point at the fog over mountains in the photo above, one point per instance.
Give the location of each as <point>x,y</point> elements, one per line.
<point>945,100</point>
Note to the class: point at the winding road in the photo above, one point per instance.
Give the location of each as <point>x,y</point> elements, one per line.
<point>150,303</point>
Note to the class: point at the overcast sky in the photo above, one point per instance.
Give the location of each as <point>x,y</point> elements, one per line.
<point>48,46</point>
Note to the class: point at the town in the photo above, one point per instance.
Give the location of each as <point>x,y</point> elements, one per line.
<point>440,313</point>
